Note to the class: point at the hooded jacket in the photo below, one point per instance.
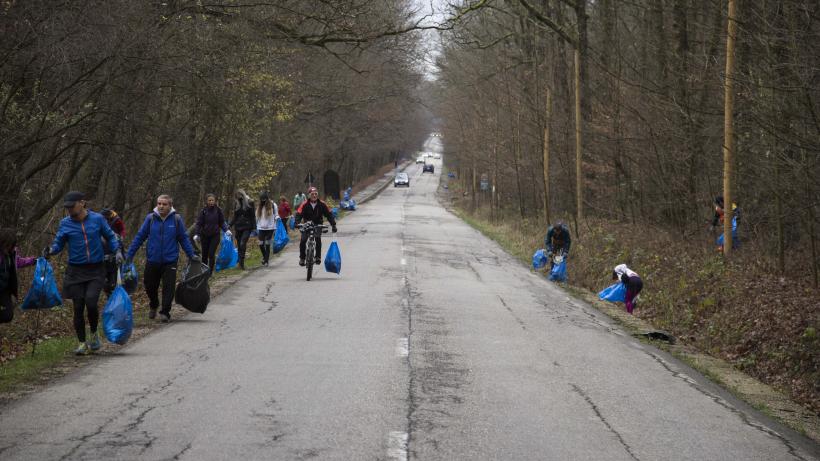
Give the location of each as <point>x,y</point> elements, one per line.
<point>558,237</point>
<point>84,238</point>
<point>164,237</point>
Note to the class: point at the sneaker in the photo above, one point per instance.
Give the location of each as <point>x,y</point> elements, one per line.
<point>95,343</point>
<point>301,261</point>
<point>164,318</point>
<point>152,314</point>
<point>82,349</point>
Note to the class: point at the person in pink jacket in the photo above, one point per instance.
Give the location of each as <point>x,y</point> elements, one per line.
<point>9,263</point>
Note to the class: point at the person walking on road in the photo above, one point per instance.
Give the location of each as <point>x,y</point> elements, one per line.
<point>209,222</point>
<point>165,232</point>
<point>243,223</point>
<point>118,226</point>
<point>266,216</point>
<point>284,208</point>
<point>298,199</point>
<point>312,211</point>
<point>10,261</point>
<point>83,231</point>
<point>633,283</point>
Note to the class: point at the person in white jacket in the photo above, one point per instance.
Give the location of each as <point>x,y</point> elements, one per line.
<point>633,283</point>
<point>266,216</point>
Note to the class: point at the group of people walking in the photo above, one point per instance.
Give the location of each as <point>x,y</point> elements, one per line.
<point>96,250</point>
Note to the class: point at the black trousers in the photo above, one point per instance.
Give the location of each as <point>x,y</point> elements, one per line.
<point>87,304</point>
<point>303,246</point>
<point>242,242</point>
<point>167,275</point>
<point>209,245</point>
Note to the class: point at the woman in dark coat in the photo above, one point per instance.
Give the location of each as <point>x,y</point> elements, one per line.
<point>9,263</point>
<point>207,228</point>
<point>243,223</point>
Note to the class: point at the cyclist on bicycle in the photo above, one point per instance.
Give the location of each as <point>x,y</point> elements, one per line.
<point>312,211</point>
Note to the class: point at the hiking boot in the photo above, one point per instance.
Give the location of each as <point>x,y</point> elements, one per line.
<point>152,313</point>
<point>82,349</point>
<point>95,343</point>
<point>164,318</point>
<point>301,261</point>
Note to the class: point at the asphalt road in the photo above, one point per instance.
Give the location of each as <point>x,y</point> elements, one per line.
<point>433,344</point>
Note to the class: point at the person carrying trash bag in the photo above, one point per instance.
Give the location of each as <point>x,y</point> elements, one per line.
<point>83,231</point>
<point>243,222</point>
<point>557,242</point>
<point>193,292</point>
<point>720,217</point>
<point>164,231</point>
<point>118,226</point>
<point>209,222</point>
<point>313,210</point>
<point>267,215</point>
<point>10,261</point>
<point>633,283</point>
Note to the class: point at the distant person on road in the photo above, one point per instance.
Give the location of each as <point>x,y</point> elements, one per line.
<point>83,231</point>
<point>313,211</point>
<point>557,241</point>
<point>118,226</point>
<point>719,219</point>
<point>298,199</point>
<point>243,222</point>
<point>284,208</point>
<point>165,232</point>
<point>209,222</point>
<point>633,283</point>
<point>10,261</point>
<point>266,216</point>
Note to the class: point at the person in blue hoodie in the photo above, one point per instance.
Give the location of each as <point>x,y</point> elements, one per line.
<point>83,231</point>
<point>165,232</point>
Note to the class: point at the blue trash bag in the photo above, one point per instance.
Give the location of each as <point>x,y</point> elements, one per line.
<point>118,316</point>
<point>228,255</point>
<point>335,212</point>
<point>292,223</point>
<point>351,205</point>
<point>280,237</point>
<point>559,272</point>
<point>43,293</point>
<point>333,259</point>
<point>539,259</point>
<point>346,197</point>
<point>614,293</point>
<point>735,240</point>
<point>130,277</point>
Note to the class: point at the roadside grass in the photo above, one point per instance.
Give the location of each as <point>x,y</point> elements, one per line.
<point>27,367</point>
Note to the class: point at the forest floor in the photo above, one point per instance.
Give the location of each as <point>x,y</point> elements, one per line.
<point>753,333</point>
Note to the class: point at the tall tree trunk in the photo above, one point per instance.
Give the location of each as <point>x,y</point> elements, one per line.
<point>579,123</point>
<point>728,128</point>
<point>547,120</point>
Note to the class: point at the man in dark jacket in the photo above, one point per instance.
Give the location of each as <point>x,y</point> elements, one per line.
<point>243,223</point>
<point>312,211</point>
<point>84,230</point>
<point>165,232</point>
<point>557,241</point>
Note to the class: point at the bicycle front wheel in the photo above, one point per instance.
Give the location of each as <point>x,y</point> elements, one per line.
<point>309,262</point>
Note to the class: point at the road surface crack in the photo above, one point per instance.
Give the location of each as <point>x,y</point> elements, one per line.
<point>600,416</point>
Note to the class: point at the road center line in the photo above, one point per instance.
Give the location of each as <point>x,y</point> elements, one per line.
<point>397,446</point>
<point>402,347</point>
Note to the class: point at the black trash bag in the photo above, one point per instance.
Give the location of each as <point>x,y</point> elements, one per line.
<point>193,292</point>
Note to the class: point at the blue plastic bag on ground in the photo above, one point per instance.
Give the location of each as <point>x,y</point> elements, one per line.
<point>43,293</point>
<point>539,259</point>
<point>280,237</point>
<point>118,316</point>
<point>333,259</point>
<point>559,272</point>
<point>228,255</point>
<point>351,205</point>
<point>614,293</point>
<point>130,277</point>
<point>292,223</point>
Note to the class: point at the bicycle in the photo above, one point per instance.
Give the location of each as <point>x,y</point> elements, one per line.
<point>310,247</point>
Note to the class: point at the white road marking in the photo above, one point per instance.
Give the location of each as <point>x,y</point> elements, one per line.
<point>397,446</point>
<point>402,347</point>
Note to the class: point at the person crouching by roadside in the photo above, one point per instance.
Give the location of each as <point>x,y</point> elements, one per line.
<point>10,261</point>
<point>633,283</point>
<point>165,232</point>
<point>266,216</point>
<point>243,222</point>
<point>83,231</point>
<point>208,224</point>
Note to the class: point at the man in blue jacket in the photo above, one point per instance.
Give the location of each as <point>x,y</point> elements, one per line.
<point>165,231</point>
<point>83,231</point>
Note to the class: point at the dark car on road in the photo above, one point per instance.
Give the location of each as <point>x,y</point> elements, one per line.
<point>428,167</point>
<point>401,180</point>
